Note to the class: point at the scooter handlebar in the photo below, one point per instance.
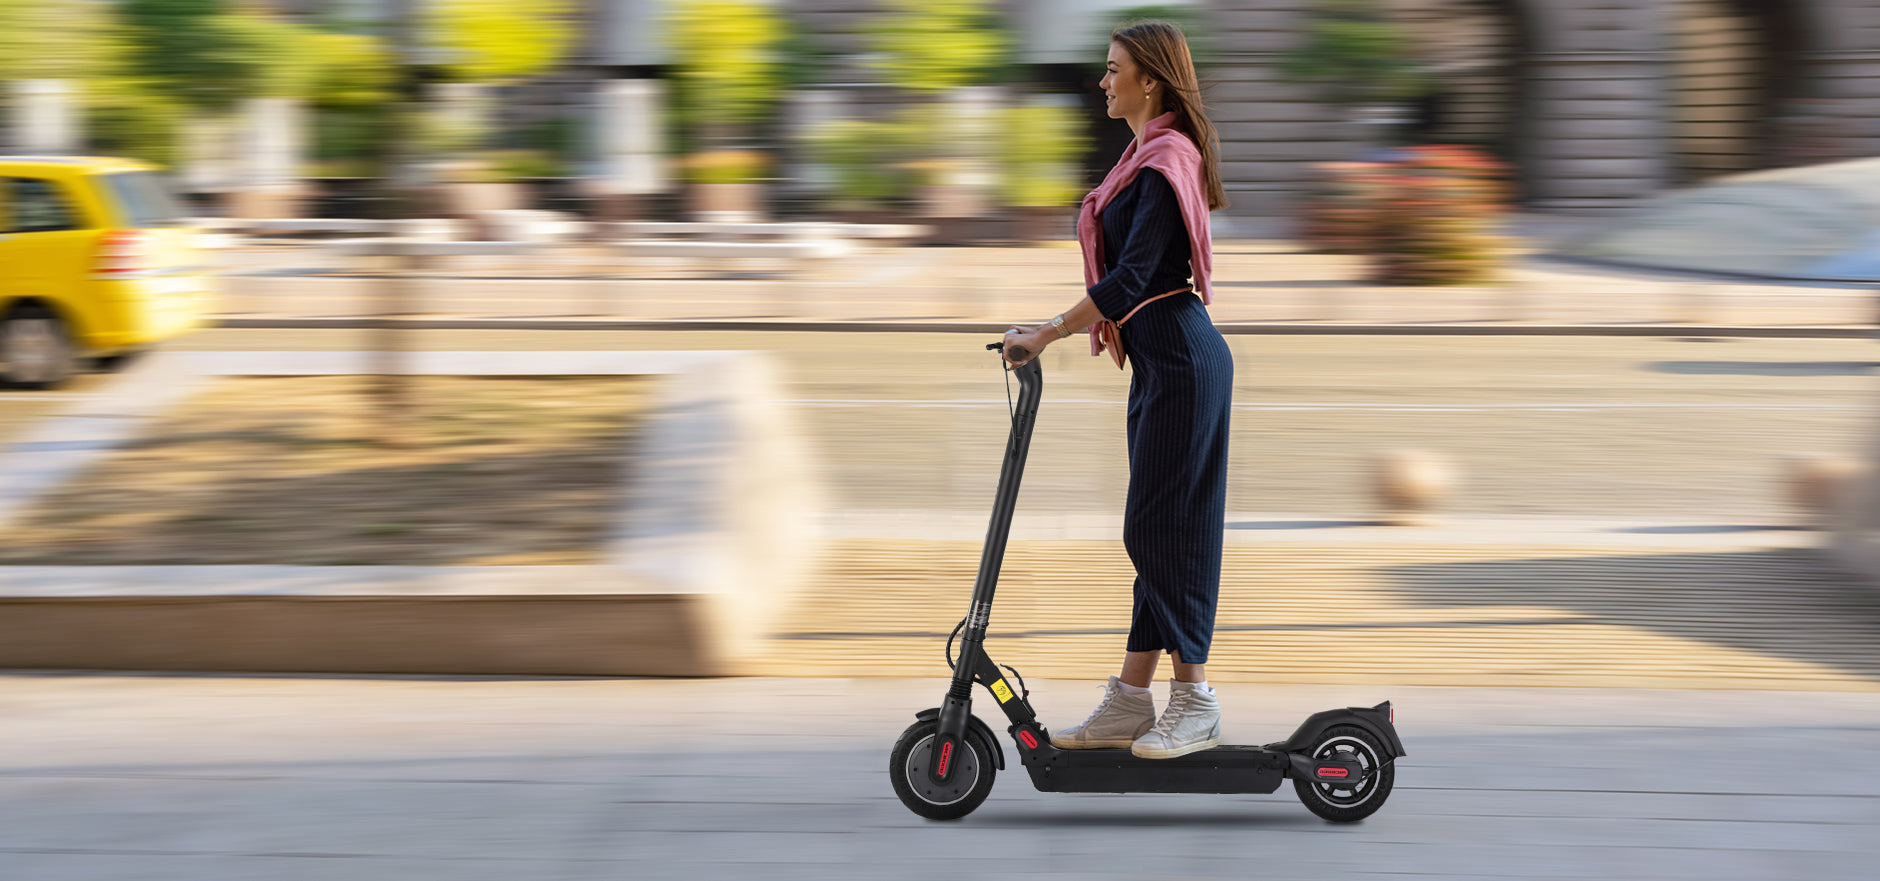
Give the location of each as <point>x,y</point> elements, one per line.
<point>1016,352</point>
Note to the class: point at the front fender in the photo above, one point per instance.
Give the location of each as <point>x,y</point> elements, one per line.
<point>932,714</point>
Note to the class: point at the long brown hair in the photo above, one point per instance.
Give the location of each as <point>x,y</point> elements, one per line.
<point>1160,51</point>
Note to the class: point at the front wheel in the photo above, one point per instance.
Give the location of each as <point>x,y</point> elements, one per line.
<point>969,786</point>
<point>36,349</point>
<point>1351,801</point>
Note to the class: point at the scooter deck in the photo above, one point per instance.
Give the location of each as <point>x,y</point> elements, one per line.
<point>1223,769</point>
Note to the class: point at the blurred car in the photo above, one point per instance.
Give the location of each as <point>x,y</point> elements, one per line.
<point>95,261</point>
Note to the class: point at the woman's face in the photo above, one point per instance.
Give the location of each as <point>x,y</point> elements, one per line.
<point>1124,86</point>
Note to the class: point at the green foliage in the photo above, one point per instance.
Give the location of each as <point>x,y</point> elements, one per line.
<point>803,60</point>
<point>349,71</point>
<point>124,119</point>
<point>54,39</point>
<point>499,41</point>
<point>728,54</point>
<point>1039,163</point>
<point>868,158</point>
<point>347,135</point>
<point>207,53</point>
<point>281,57</point>
<point>438,133</point>
<point>934,46</point>
<point>558,137</point>
<point>724,167</point>
<point>515,165</point>
<point>1354,52</point>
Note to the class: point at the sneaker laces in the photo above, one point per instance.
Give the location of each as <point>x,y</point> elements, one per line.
<point>1109,697</point>
<point>1178,701</point>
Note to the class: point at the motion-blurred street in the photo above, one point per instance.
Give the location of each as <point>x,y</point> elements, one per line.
<point>327,778</point>
<point>1621,529</point>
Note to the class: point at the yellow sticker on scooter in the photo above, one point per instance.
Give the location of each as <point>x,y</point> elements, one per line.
<point>1001,691</point>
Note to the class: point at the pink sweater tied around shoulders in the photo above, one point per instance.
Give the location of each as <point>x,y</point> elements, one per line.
<point>1166,149</point>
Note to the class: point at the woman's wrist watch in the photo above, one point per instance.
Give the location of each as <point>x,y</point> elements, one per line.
<point>1062,330</point>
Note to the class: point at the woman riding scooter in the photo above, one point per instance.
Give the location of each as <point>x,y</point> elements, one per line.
<point>1144,232</point>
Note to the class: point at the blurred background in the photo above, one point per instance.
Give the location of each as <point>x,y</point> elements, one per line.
<point>972,110</point>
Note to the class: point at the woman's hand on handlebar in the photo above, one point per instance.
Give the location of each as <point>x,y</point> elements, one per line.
<point>1031,340</point>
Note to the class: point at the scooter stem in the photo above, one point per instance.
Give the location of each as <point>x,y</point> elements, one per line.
<point>958,706</point>
<point>1017,445</point>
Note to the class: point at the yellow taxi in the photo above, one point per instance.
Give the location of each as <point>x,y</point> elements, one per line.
<point>96,260</point>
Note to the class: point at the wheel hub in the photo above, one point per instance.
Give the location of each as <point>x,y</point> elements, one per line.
<point>965,773</point>
<point>31,348</point>
<point>1351,793</point>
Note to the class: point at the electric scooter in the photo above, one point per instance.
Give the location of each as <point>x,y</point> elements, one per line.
<point>1341,762</point>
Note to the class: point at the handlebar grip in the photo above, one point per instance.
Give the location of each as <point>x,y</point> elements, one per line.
<point>1017,353</point>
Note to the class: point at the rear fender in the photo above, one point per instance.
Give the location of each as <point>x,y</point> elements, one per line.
<point>1373,719</point>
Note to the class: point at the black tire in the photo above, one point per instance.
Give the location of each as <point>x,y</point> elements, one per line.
<point>36,349</point>
<point>908,769</point>
<point>1361,800</point>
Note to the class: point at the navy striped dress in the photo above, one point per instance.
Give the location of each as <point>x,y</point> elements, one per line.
<point>1180,394</point>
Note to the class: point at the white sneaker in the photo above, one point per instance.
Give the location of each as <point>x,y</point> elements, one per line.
<point>1114,724</point>
<point>1190,724</point>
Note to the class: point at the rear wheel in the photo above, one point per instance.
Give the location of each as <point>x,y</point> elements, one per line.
<point>36,349</point>
<point>1348,801</point>
<point>971,781</point>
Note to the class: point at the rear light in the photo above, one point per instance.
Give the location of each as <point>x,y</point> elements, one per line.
<point>124,252</point>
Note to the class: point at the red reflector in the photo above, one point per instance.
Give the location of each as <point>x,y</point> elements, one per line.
<point>123,251</point>
<point>946,753</point>
<point>1334,772</point>
<point>1028,740</point>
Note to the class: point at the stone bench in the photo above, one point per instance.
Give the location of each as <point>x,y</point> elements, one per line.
<point>709,543</point>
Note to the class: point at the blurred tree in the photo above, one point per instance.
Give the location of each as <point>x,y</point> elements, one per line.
<point>867,159</point>
<point>126,118</point>
<point>210,54</point>
<point>935,46</point>
<point>353,82</point>
<point>157,62</point>
<point>347,70</point>
<point>54,39</point>
<point>1038,167</point>
<point>729,67</point>
<point>1355,53</point>
<point>499,41</point>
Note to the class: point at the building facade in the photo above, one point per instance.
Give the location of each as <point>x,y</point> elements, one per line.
<point>1594,102</point>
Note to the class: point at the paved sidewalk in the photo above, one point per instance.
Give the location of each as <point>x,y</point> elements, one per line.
<point>1260,284</point>
<point>363,779</point>
<point>1397,609</point>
